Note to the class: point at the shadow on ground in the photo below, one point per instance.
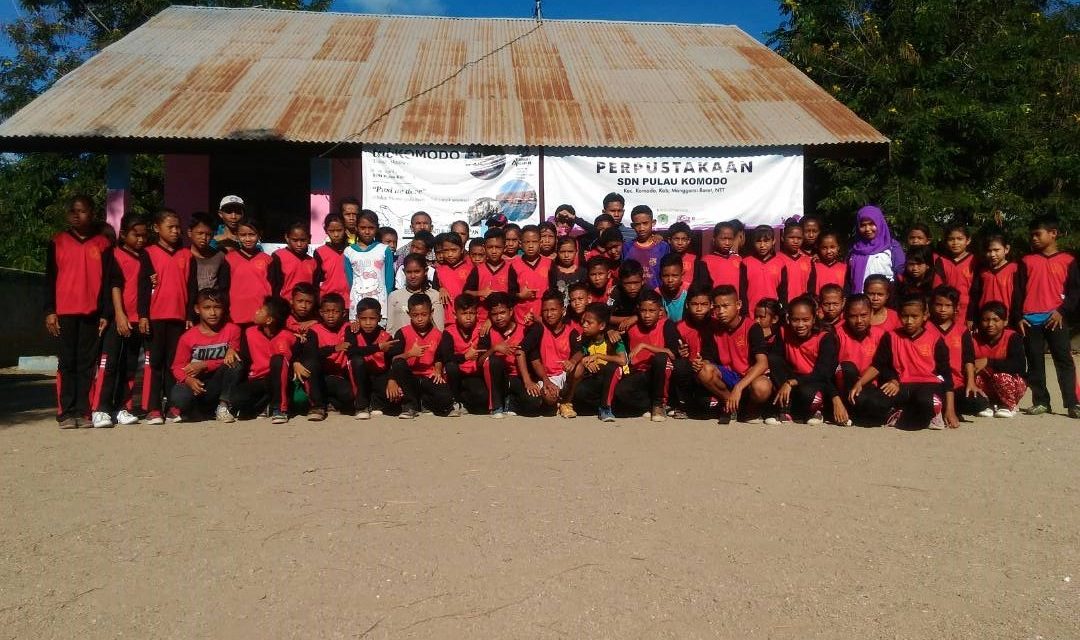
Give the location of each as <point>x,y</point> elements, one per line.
<point>25,397</point>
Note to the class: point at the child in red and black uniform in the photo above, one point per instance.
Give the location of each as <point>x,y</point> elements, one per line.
<point>878,291</point>
<point>291,264</point>
<point>329,274</point>
<point>599,281</point>
<point>453,271</point>
<point>858,341</point>
<point>75,281</point>
<point>723,265</point>
<point>1000,280</point>
<point>944,301</point>
<point>762,274</point>
<point>652,342</point>
<point>493,275</point>
<point>742,357</point>
<point>372,371</point>
<point>548,349</point>
<point>207,363</point>
<point>249,268</point>
<point>568,267</point>
<point>918,275</point>
<point>829,267</point>
<point>459,351</point>
<point>912,363</point>
<point>504,362</point>
<point>1051,293</point>
<point>831,309</point>
<point>531,272</point>
<point>797,264</point>
<point>163,308</point>
<point>811,355</point>
<point>416,377</point>
<point>209,268</point>
<point>694,380</point>
<point>302,310</point>
<point>624,298</point>
<point>957,268</point>
<point>122,341</point>
<point>994,364</point>
<point>266,350</point>
<point>693,269</point>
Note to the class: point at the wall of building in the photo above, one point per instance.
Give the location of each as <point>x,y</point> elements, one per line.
<point>23,329</point>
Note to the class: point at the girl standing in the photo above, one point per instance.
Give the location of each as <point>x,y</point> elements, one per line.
<point>249,280</point>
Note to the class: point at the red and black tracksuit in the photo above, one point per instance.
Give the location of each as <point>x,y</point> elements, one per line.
<point>249,284</point>
<point>218,379</point>
<point>550,349</point>
<point>371,370</point>
<point>486,277</point>
<point>332,368</point>
<point>921,365</point>
<point>415,375</point>
<point>954,341</point>
<point>453,278</point>
<point>650,373</point>
<point>811,362</point>
<point>506,389</point>
<point>288,269</point>
<point>119,361</point>
<point>685,388</point>
<point>760,279</point>
<point>799,269</point>
<point>1053,284</point>
<point>534,277</point>
<point>329,274</point>
<point>466,380</point>
<point>166,304</point>
<point>958,273</point>
<point>856,355</point>
<point>266,361</point>
<point>75,281</point>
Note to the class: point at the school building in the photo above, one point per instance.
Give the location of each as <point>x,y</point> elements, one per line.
<point>294,110</point>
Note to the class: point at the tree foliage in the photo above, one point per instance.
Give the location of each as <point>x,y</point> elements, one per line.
<point>979,99</point>
<point>51,38</point>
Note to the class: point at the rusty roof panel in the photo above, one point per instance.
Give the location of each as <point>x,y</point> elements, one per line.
<point>211,73</point>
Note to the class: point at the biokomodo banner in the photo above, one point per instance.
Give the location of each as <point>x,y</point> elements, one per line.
<point>689,187</point>
<point>451,183</point>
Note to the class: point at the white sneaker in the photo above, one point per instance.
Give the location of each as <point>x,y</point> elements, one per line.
<point>364,414</point>
<point>1004,413</point>
<point>223,414</point>
<point>125,417</point>
<point>772,421</point>
<point>937,423</point>
<point>376,413</point>
<point>101,420</point>
<point>986,413</point>
<point>815,419</point>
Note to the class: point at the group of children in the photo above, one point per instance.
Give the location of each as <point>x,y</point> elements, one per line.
<point>535,321</point>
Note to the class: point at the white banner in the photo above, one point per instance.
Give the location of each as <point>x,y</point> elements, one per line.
<point>679,186</point>
<point>451,183</point>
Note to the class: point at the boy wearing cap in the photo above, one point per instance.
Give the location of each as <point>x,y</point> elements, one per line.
<point>230,210</point>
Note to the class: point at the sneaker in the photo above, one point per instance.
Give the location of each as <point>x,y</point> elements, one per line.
<point>1074,411</point>
<point>174,416</point>
<point>125,417</point>
<point>279,417</point>
<point>408,414</point>
<point>772,421</point>
<point>68,423</point>
<point>846,423</point>
<point>985,413</point>
<point>498,414</point>
<point>724,418</point>
<point>316,415</point>
<point>155,418</point>
<point>375,413</point>
<point>647,415</point>
<point>566,410</point>
<point>894,418</point>
<point>785,418</point>
<point>658,414</point>
<point>937,423</point>
<point>605,414</point>
<point>816,419</point>
<point>760,420</point>
<point>222,414</point>
<point>677,414</point>
<point>426,412</point>
<point>364,414</point>
<point>1004,413</point>
<point>455,412</point>
<point>101,420</point>
<point>1037,410</point>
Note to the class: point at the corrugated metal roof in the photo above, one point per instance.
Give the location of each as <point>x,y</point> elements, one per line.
<point>219,74</point>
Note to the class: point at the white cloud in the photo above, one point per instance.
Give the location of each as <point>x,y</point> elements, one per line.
<point>406,7</point>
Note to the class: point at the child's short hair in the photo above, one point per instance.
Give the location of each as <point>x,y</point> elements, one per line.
<point>335,299</point>
<point>210,293</point>
<point>630,268</point>
<point>459,223</point>
<point>697,289</point>
<point>466,301</point>
<point>305,288</point>
<point>995,307</point>
<point>331,218</point>
<point>920,226</point>
<point>451,238</point>
<point>161,216</point>
<point>476,242</point>
<point>415,258</point>
<point>957,226</point>
<point>648,295</point>
<point>995,237</point>
<point>1046,223</point>
<point>580,285</point>
<point>605,218</point>
<point>86,201</point>
<point>772,305</point>
<point>132,219</point>
<point>499,299</point>
<point>552,294</point>
<point>832,287</point>
<point>419,300</point>
<point>426,238</point>
<point>198,218</point>
<point>599,310</point>
<point>760,232</point>
<point>678,227</point>
<point>496,233</point>
<point>369,215</point>
<point>547,225</point>
<point>250,223</point>
<point>597,261</point>
<point>641,208</point>
<point>613,197</point>
<point>671,260</point>
<point>809,218</point>
<point>724,290</point>
<point>382,232</point>
<point>949,293</point>
<point>566,240</point>
<point>368,304</point>
<point>278,310</point>
<point>920,255</point>
<point>611,235</point>
<point>830,234</point>
<point>725,224</point>
<point>530,228</point>
<point>913,299</point>
<point>346,201</point>
<point>856,299</point>
<point>513,226</point>
<point>878,278</point>
<point>298,225</point>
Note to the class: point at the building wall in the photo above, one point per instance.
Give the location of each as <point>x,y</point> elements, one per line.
<point>24,323</point>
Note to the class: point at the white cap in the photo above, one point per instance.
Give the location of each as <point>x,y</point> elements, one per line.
<point>231,200</point>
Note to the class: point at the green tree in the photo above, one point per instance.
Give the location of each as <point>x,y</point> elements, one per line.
<point>979,99</point>
<point>51,38</point>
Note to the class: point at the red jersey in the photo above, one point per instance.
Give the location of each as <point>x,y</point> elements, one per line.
<point>914,360</point>
<point>604,297</point>
<point>249,285</point>
<point>75,274</point>
<point>330,272</point>
<point>858,351</point>
<point>891,323</point>
<point>168,299</point>
<point>288,269</point>
<point>722,269</point>
<point>959,274</point>
<point>823,274</point>
<point>762,279</point>
<point>663,334</point>
<point>689,266</point>
<point>802,354</point>
<point>452,278</point>
<point>733,346</point>
<point>798,269</point>
<point>261,349</point>
<point>551,348</point>
<point>992,350</point>
<point>1051,282</point>
<point>1007,355</point>
<point>125,277</point>
<point>367,345</point>
<point>485,277</point>
<point>695,338</point>
<point>334,362</point>
<point>1003,285</point>
<point>515,337</point>
<point>211,349</point>
<point>454,345</point>
<point>535,277</point>
<point>423,365</point>
<point>954,341</point>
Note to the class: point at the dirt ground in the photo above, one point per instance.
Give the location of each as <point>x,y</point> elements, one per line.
<point>478,528</point>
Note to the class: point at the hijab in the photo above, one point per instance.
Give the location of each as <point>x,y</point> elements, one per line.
<point>862,249</point>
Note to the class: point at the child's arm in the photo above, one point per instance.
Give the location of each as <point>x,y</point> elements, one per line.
<point>781,289</point>
<point>388,269</point>
<point>397,352</point>
<point>347,264</point>
<point>193,289</point>
<point>744,296</point>
<point>974,298</point>
<point>182,359</point>
<point>811,282</point>
<point>472,284</point>
<point>52,321</point>
<point>944,371</point>
<point>1015,361</point>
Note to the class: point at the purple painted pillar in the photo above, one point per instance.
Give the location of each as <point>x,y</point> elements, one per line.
<point>321,184</point>
<point>118,188</point>
<point>187,185</point>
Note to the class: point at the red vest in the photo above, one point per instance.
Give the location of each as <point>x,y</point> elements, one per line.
<point>892,321</point>
<point>835,273</point>
<point>801,354</point>
<point>534,277</point>
<point>1046,277</point>
<point>424,365</point>
<point>374,361</point>
<point>555,348</point>
<point>996,351</point>
<point>294,270</point>
<point>762,280</point>
<point>337,363</point>
<point>693,337</point>
<point>959,274</point>
<point>723,269</point>
<point>639,335</point>
<point>262,349</point>
<point>128,265</point>
<point>79,275</point>
<point>452,278</point>
<point>997,286</point>
<point>913,358</point>
<point>249,284</point>
<point>798,273</point>
<point>858,352</point>
<point>689,261</point>
<point>332,264</point>
<point>461,345</point>
<point>954,340</point>
<point>515,338</point>
<point>733,346</point>
<point>169,301</point>
<point>495,280</point>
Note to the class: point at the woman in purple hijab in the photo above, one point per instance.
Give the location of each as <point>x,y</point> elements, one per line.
<point>874,250</point>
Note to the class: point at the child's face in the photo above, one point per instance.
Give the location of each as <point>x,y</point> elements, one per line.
<point>530,244</point>
<point>916,270</point>
<point>168,230</point>
<point>298,240</point>
<point>1042,239</point>
<point>302,304</point>
<point>811,230</point>
<point>763,246</point>
<point>671,278</point>
<point>801,320</point>
<point>878,294</point>
<point>957,242</point>
<point>500,316</point>
<point>592,326</point>
<point>547,241</point>
<point>698,307</point>
<point>726,309</point>
<point>598,277</point>
<point>642,224</point>
<point>832,304</point>
<point>210,312</point>
<point>418,247</point>
<point>368,320</point>
<point>648,313</point>
<point>996,253</point>
<point>991,325</point>
<point>135,238</point>
<point>262,316</point>
<point>332,315</point>
<point>858,318</point>
<point>462,230</point>
<point>912,318</point>
<point>390,240</point>
<point>680,242</point>
<point>632,284</point>
<point>248,238</point>
<point>477,253</point>
<point>440,255</point>
<point>80,217</point>
<point>551,312</point>
<point>512,244</point>
<point>867,229</point>
<point>566,254</point>
<point>793,240</point>
<point>451,253</point>
<point>231,218</point>
<point>494,249</point>
<point>917,238</point>
<point>942,309</point>
<point>615,210</point>
<point>579,299</point>
<point>420,317</point>
<point>466,318</point>
<point>365,231</point>
<point>829,249</point>
<point>415,274</point>
<point>335,231</point>
<point>420,223</point>
<point>725,241</point>
<point>613,251</point>
<point>764,318</point>
<point>200,236</point>
<point>350,213</point>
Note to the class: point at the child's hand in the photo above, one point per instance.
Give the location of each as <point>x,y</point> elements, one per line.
<point>341,346</point>
<point>387,345</point>
<point>1054,321</point>
<point>195,367</point>
<point>354,326</point>
<point>393,391</point>
<point>444,296</point>
<point>306,324</point>
<point>485,327</point>
<point>123,325</point>
<point>550,393</point>
<point>483,293</point>
<point>567,366</point>
<point>102,325</point>
<point>528,319</point>
<point>952,421</point>
<point>613,335</point>
<point>416,351</point>
<point>232,358</point>
<point>732,404</point>
<point>840,414</point>
<point>471,354</point>
<point>301,337</point>
<point>300,372</point>
<point>197,387</point>
<point>697,364</point>
<point>144,327</point>
<point>52,325</point>
<point>153,280</point>
<point>532,389</point>
<point>855,391</point>
<point>627,323</point>
<point>438,377</point>
<point>891,388</point>
<point>684,350</point>
<point>188,324</point>
<point>636,350</point>
<point>783,396</point>
<point>1023,327</point>
<point>972,391</point>
<point>525,293</point>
